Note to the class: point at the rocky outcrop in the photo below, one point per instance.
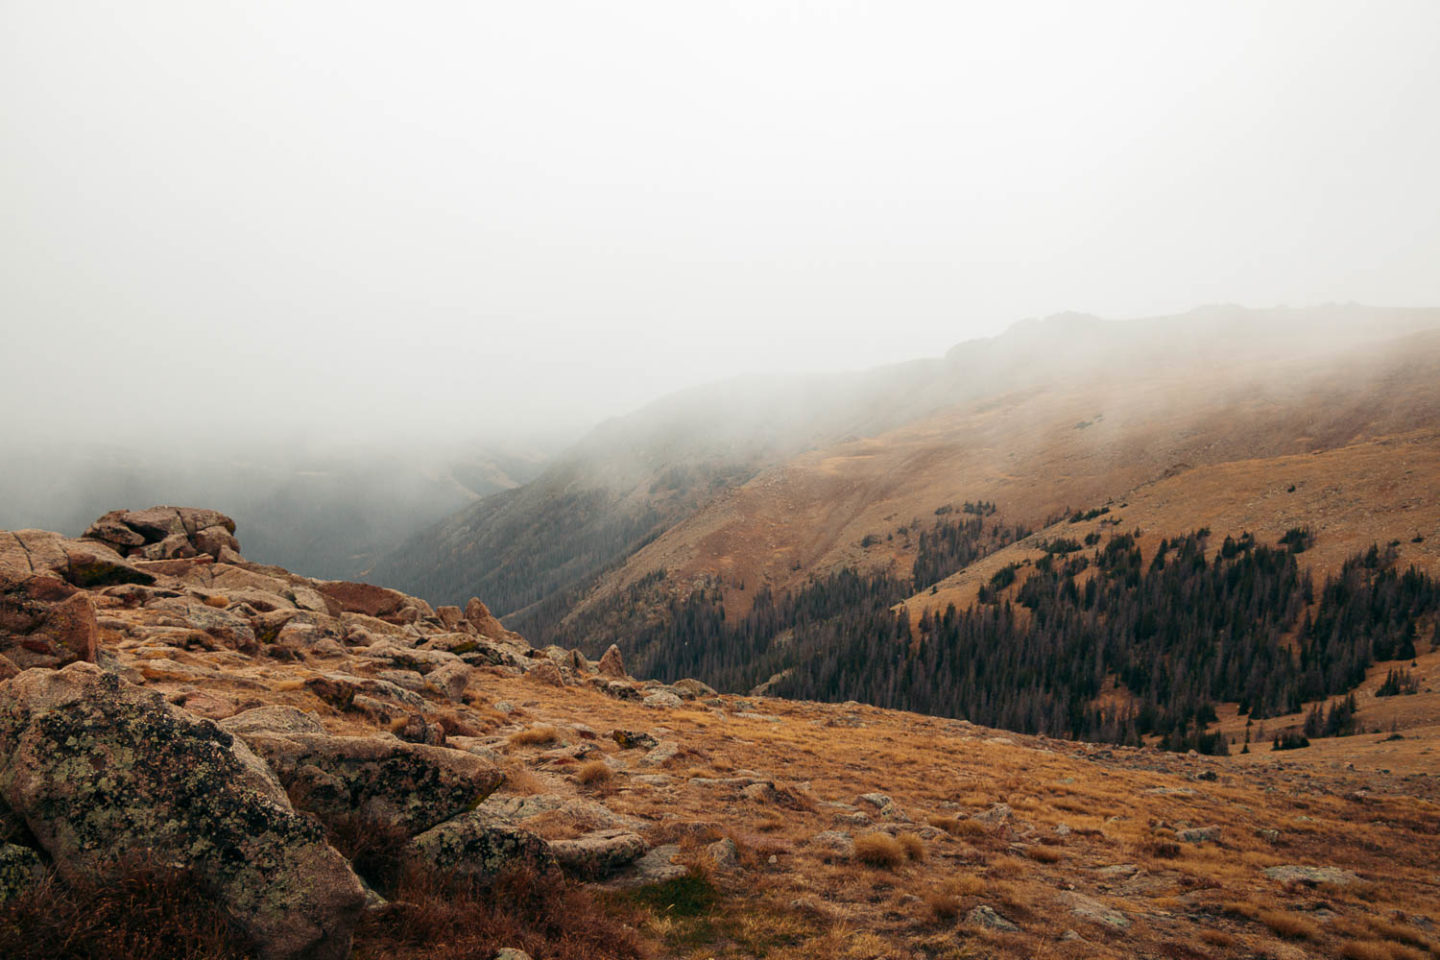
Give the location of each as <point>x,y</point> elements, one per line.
<point>46,619</point>
<point>168,533</point>
<point>98,769</point>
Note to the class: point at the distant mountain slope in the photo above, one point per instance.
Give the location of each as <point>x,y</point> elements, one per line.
<point>766,483</point>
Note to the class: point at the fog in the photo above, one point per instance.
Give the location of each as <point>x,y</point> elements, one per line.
<point>251,235</point>
<point>355,219</point>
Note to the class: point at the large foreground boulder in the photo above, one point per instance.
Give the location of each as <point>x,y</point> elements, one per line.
<point>101,771</point>
<point>412,786</point>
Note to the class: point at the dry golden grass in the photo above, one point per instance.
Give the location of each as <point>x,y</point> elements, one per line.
<point>1379,950</point>
<point>1044,854</point>
<point>942,904</point>
<point>596,773</point>
<point>963,828</point>
<point>538,735</point>
<point>1288,925</point>
<point>913,846</point>
<point>879,850</point>
<point>940,772</point>
<point>520,781</point>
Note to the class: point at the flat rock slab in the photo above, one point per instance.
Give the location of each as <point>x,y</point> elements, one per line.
<point>1311,876</point>
<point>657,866</point>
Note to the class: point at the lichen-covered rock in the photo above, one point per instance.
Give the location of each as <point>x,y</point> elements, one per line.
<point>633,740</point>
<point>20,867</point>
<point>98,769</point>
<point>410,785</point>
<point>478,845</point>
<point>597,855</point>
<point>272,718</point>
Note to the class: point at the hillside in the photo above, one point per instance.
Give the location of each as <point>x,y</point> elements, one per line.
<point>1137,405</point>
<point>590,814</point>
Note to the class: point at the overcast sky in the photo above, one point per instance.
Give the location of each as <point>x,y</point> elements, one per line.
<point>363,218</point>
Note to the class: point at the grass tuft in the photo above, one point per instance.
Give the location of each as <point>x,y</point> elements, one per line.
<point>913,846</point>
<point>537,735</point>
<point>879,850</point>
<point>596,773</point>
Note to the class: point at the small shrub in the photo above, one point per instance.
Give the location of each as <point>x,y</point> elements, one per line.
<point>142,910</point>
<point>943,904</point>
<point>1043,854</point>
<point>879,850</point>
<point>378,850</point>
<point>534,736</point>
<point>1377,950</point>
<point>596,773</point>
<point>1289,926</point>
<point>1163,849</point>
<point>913,846</point>
<point>445,917</point>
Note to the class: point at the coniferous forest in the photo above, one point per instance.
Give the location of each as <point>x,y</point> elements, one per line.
<point>1099,643</point>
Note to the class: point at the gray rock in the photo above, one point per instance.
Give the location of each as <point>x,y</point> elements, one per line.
<point>597,855</point>
<point>510,953</point>
<point>657,866</point>
<point>664,700</point>
<point>834,842</point>
<point>663,752</point>
<point>1088,908</point>
<point>272,718</point>
<point>97,767</point>
<point>1200,835</point>
<point>723,854</point>
<point>985,916</point>
<point>998,813</point>
<point>411,785</point>
<point>1310,876</point>
<point>478,845</point>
